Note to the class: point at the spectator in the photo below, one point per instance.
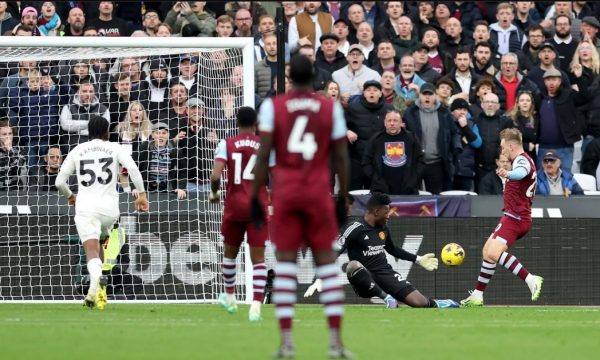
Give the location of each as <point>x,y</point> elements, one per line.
<point>161,164</point>
<point>422,66</point>
<point>352,77</point>
<point>355,17</point>
<point>364,34</point>
<point>108,25</point>
<point>120,99</point>
<point>454,37</point>
<point>74,116</point>
<point>150,23</point>
<point>135,128</point>
<point>188,74</point>
<point>439,60</point>
<point>524,117</point>
<point>332,90</point>
<point>404,43</point>
<point>364,118</point>
<point>482,34</point>
<point>563,41</point>
<point>407,82</point>
<point>328,57</point>
<point>194,14</point>
<point>290,9</point>
<point>552,179</point>
<point>14,81</point>
<point>491,183</point>
<point>374,13</point>
<point>90,31</point>
<point>442,14</point>
<point>462,75</point>
<point>7,22</point>
<point>582,9</point>
<point>28,24</point>
<point>390,96</point>
<point>49,22</point>
<point>164,30</point>
<point>560,125</point>
<point>224,27</point>
<point>470,140</point>
<point>434,127</point>
<point>175,112</point>
<point>43,177</point>
<point>547,56</point>
<point>509,82</point>
<point>489,123</point>
<point>393,159</point>
<point>531,49</point>
<point>562,8</point>
<point>591,158</point>
<point>304,30</point>
<point>154,89</point>
<point>76,23</point>
<point>35,108</point>
<point>481,89</point>
<point>483,64</point>
<point>13,162</point>
<point>197,147</point>
<point>444,88</point>
<point>504,33</point>
<point>388,29</point>
<point>320,76</point>
<point>130,66</point>
<point>526,15</point>
<point>385,59</point>
<point>467,12</point>
<point>266,69</point>
<point>243,24</point>
<point>427,16</point>
<point>253,8</point>
<point>589,26</point>
<point>586,55</point>
<point>266,26</point>
<point>340,28</point>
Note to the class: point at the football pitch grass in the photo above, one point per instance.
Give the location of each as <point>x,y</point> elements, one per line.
<point>202,331</point>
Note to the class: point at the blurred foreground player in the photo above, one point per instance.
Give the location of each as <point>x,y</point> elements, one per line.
<point>96,163</point>
<point>519,191</point>
<point>306,131</point>
<point>238,155</point>
<point>369,272</point>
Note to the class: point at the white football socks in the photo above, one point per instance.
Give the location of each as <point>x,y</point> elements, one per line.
<point>94,267</point>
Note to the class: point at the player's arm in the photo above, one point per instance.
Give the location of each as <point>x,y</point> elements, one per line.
<point>66,170</point>
<point>141,202</point>
<point>217,171</point>
<point>266,124</point>
<point>341,161</point>
<point>428,261</point>
<point>520,170</point>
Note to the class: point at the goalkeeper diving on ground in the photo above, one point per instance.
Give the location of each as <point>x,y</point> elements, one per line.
<point>369,272</point>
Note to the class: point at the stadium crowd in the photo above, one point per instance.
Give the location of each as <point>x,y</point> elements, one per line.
<point>427,86</point>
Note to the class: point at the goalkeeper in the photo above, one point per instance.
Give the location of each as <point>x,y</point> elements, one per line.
<point>368,271</point>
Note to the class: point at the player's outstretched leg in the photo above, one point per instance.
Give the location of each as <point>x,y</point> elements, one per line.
<point>94,268</point>
<point>486,273</point>
<point>259,279</point>
<point>362,281</point>
<point>284,297</point>
<point>227,299</point>
<point>512,264</point>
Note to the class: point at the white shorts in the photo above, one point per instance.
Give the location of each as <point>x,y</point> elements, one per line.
<point>94,226</point>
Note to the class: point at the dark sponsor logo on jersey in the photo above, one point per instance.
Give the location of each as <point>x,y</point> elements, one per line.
<point>395,154</point>
<point>382,235</point>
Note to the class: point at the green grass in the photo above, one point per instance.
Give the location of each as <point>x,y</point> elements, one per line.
<point>371,332</point>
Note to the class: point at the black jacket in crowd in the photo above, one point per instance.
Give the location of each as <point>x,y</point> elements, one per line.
<point>490,184</point>
<point>338,63</point>
<point>176,176</point>
<point>591,158</point>
<point>489,129</point>
<point>365,119</point>
<point>402,173</point>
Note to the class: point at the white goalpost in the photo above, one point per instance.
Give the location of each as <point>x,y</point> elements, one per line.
<point>174,253</point>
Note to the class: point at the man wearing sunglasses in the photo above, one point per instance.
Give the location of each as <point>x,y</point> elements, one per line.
<point>552,180</point>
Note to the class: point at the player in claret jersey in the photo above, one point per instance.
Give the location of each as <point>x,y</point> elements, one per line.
<point>96,163</point>
<point>305,130</point>
<point>516,222</point>
<point>238,154</point>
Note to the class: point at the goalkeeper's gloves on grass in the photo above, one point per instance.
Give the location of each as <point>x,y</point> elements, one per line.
<point>311,289</point>
<point>257,213</point>
<point>428,261</point>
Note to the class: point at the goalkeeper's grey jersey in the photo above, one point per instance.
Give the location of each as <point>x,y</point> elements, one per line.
<point>96,164</point>
<point>367,245</point>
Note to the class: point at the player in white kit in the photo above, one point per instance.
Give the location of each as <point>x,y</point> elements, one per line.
<point>96,163</point>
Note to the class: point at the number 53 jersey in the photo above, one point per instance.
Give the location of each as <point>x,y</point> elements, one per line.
<point>96,164</point>
<point>305,127</point>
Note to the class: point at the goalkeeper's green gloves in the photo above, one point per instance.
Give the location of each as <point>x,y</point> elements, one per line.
<point>311,289</point>
<point>428,262</point>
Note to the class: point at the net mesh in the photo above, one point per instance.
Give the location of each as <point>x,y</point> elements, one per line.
<point>47,95</point>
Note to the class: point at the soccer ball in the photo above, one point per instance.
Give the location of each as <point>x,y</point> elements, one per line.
<point>453,254</point>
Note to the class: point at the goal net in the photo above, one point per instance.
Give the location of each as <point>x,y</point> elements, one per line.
<point>169,101</point>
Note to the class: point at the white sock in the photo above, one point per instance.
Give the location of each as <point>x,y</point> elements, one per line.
<point>476,293</point>
<point>94,267</point>
<point>530,280</point>
<point>255,306</point>
<point>230,298</point>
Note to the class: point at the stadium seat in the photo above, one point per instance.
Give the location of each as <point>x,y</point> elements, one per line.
<point>423,192</point>
<point>587,182</point>
<point>591,192</point>
<point>360,192</point>
<point>458,192</point>
<point>598,177</point>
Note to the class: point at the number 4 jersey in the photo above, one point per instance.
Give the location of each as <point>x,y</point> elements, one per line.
<point>304,127</point>
<point>239,155</point>
<point>96,164</point>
